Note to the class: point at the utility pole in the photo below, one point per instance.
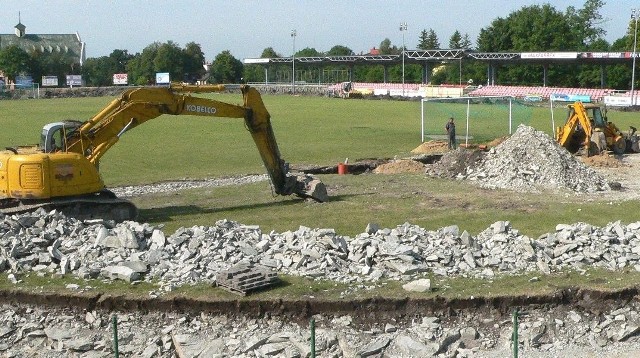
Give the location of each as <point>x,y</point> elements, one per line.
<point>293,62</point>
<point>403,28</point>
<point>634,15</point>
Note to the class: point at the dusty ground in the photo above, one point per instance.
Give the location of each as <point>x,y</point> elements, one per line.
<point>624,169</point>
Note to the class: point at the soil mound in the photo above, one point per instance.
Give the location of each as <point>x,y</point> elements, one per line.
<point>432,146</point>
<point>400,166</point>
<point>604,161</point>
<point>456,163</point>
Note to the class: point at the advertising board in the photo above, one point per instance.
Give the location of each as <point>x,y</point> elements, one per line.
<point>561,97</point>
<point>74,80</point>
<point>162,78</point>
<point>548,55</point>
<point>120,79</point>
<point>24,81</point>
<point>49,81</point>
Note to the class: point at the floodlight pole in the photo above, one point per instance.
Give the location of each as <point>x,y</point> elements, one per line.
<point>293,63</point>
<point>634,15</point>
<point>403,28</point>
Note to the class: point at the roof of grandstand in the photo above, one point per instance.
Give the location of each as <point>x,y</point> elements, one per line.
<point>438,55</point>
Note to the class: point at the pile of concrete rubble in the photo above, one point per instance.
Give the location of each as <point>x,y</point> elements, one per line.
<point>50,243</point>
<point>28,331</point>
<point>527,161</point>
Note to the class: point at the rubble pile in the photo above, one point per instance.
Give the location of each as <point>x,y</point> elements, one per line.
<point>28,331</point>
<point>531,160</point>
<point>49,243</point>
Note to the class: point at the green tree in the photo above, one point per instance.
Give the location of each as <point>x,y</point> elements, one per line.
<point>466,42</point>
<point>140,67</point>
<point>14,61</point>
<point>586,22</point>
<point>340,50</point>
<point>118,60</point>
<point>309,52</point>
<point>428,40</point>
<point>387,49</point>
<point>619,76</point>
<point>455,41</point>
<point>98,71</point>
<point>226,68</point>
<point>193,59</point>
<point>169,59</point>
<point>269,52</point>
<point>543,28</point>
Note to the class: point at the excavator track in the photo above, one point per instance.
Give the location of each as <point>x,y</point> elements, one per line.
<point>104,205</point>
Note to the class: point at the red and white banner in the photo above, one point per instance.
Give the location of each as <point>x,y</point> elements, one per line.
<point>603,55</point>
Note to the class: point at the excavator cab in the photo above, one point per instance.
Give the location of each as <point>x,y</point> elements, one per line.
<point>55,136</point>
<point>51,139</point>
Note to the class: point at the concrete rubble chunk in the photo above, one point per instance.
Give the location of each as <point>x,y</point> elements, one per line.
<point>136,266</point>
<point>79,344</point>
<point>421,285</point>
<point>121,273</point>
<point>449,338</point>
<point>255,343</point>
<point>374,347</point>
<point>158,239</point>
<point>371,228</point>
<point>627,332</point>
<point>410,347</point>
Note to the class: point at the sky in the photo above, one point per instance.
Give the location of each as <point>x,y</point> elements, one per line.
<point>246,27</point>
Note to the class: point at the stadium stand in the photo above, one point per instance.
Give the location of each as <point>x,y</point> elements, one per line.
<point>596,94</point>
<point>443,91</point>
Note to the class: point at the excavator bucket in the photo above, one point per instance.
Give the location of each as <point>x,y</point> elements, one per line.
<point>307,186</point>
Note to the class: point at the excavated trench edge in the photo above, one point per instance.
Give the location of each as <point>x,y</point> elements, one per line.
<point>363,311</point>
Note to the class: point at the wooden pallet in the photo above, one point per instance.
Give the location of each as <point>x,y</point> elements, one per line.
<point>246,277</point>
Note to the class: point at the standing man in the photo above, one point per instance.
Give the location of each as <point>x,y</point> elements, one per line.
<point>451,131</point>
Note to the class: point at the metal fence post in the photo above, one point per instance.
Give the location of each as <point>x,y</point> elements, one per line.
<point>313,338</point>
<point>114,320</point>
<point>514,337</point>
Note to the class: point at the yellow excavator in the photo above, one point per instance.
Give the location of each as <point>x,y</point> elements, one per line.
<point>62,171</point>
<point>587,132</point>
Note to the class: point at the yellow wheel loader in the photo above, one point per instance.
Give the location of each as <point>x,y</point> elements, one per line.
<point>587,132</point>
<point>62,171</point>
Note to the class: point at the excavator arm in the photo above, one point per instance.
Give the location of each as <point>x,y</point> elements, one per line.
<point>576,121</point>
<point>96,136</point>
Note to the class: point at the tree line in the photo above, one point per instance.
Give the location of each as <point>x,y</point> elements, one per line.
<point>530,29</point>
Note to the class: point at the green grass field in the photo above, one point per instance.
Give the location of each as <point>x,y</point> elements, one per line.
<point>309,130</point>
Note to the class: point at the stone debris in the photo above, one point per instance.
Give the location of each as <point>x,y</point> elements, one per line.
<point>48,243</point>
<point>547,332</point>
<point>528,161</point>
